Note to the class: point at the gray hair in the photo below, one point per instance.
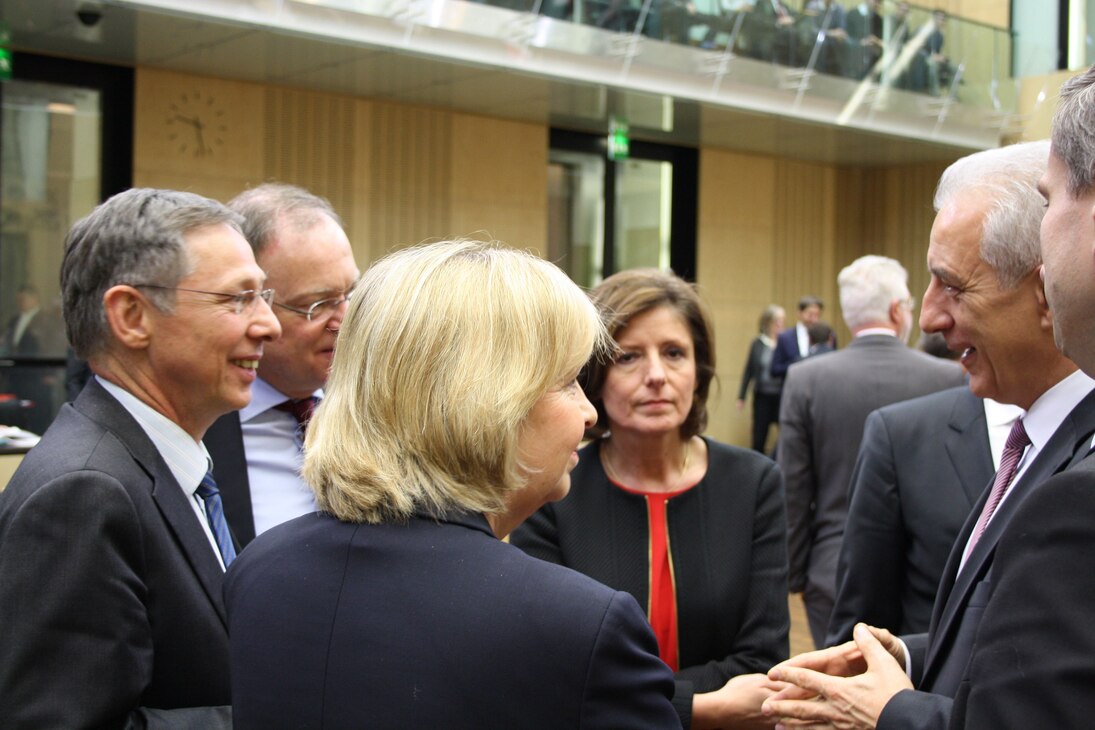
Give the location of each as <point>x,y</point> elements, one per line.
<point>868,286</point>
<point>268,206</point>
<point>1074,131</point>
<point>135,237</point>
<point>1010,231</point>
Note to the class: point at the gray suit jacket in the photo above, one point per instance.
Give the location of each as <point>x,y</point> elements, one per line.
<point>826,400</point>
<point>922,465</point>
<point>941,658</point>
<point>110,593</point>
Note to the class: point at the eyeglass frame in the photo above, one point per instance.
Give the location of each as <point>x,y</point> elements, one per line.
<point>241,300</point>
<point>309,313</point>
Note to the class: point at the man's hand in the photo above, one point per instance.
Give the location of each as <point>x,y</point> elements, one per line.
<point>828,691</point>
<point>736,705</point>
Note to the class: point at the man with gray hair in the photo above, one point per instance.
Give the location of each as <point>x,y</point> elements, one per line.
<point>1035,659</point>
<point>987,299</point>
<point>825,403</point>
<point>257,452</point>
<point>113,543</point>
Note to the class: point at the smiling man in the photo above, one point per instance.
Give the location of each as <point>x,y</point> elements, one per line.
<point>298,240</point>
<point>112,540</point>
<point>986,298</point>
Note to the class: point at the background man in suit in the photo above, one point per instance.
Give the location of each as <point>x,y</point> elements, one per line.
<point>986,297</point>
<point>922,466</point>
<point>299,242</point>
<point>825,402</point>
<point>793,344</point>
<point>1033,666</point>
<point>112,553</point>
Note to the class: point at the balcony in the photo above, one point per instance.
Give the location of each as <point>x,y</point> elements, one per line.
<point>707,72</point>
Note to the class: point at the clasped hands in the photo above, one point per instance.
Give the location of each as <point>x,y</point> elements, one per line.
<point>844,687</point>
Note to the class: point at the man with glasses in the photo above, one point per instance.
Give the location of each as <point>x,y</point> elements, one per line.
<point>113,543</point>
<point>299,242</point>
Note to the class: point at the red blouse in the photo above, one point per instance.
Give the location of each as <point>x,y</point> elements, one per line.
<point>662,608</point>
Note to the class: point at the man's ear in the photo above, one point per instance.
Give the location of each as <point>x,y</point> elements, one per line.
<point>1045,317</point>
<point>895,312</point>
<point>128,316</point>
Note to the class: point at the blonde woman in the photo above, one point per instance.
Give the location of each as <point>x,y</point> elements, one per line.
<point>452,412</point>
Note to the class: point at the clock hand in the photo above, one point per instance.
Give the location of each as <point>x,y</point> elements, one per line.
<point>192,121</point>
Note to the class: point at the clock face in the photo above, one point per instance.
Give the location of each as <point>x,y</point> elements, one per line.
<point>196,124</point>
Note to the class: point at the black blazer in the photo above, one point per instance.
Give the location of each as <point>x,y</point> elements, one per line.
<point>941,658</point>
<point>922,465</point>
<point>224,441</point>
<point>110,592</point>
<point>728,542</point>
<point>431,624</point>
<point>1033,665</point>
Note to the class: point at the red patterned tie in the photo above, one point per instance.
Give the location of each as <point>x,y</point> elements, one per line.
<point>301,410</point>
<point>1013,451</point>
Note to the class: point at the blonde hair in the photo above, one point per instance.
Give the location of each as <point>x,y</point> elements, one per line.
<point>443,352</point>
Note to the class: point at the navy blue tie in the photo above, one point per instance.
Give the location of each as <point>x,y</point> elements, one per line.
<point>214,511</point>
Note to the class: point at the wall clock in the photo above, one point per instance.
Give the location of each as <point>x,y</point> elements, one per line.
<point>196,124</point>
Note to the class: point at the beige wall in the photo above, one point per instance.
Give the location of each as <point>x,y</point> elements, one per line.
<point>990,12</point>
<point>396,174</point>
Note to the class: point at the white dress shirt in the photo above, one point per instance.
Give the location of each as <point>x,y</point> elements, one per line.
<point>803,339</point>
<point>186,458</point>
<point>1041,422</point>
<point>272,442</point>
<point>999,417</point>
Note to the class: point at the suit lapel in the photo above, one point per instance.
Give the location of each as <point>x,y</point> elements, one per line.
<point>967,423</point>
<point>177,513</point>
<point>1073,434</point>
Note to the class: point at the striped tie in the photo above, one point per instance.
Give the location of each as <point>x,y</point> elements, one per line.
<point>214,512</point>
<point>1013,451</point>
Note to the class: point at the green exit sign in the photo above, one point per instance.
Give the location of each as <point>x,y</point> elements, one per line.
<point>619,140</point>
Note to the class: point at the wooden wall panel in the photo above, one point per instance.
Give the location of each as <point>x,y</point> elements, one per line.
<point>410,176</point>
<point>736,270</point>
<point>499,181</point>
<point>305,142</point>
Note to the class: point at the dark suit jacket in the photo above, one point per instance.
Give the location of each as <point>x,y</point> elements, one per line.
<point>431,624</point>
<point>921,467</point>
<point>1033,665</point>
<point>941,658</point>
<point>110,593</point>
<point>786,352</point>
<point>826,401</point>
<point>224,440</point>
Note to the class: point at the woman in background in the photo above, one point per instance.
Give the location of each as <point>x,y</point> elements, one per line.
<point>452,412</point>
<point>766,387</point>
<point>692,528</point>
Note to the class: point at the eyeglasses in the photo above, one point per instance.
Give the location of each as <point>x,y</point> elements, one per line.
<point>241,301</point>
<point>321,310</point>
